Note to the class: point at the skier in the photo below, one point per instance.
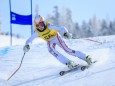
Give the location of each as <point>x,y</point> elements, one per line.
<point>51,34</point>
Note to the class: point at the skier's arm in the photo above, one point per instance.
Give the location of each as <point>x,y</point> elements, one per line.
<point>62,30</point>
<point>26,48</point>
<point>34,35</point>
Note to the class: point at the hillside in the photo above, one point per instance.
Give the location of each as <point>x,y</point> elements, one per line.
<point>40,68</point>
<point>5,41</point>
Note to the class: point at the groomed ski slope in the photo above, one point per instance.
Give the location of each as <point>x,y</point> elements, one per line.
<point>40,68</point>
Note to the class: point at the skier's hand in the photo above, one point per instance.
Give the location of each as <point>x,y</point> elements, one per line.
<point>26,48</point>
<point>67,35</point>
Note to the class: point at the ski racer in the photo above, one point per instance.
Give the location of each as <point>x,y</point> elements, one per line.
<point>51,34</point>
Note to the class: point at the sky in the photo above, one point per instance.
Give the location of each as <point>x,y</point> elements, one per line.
<point>40,68</point>
<point>81,10</point>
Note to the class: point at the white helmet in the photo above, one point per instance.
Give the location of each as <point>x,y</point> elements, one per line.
<point>38,19</point>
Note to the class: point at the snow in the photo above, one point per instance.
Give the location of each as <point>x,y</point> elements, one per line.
<point>40,68</point>
<point>5,41</point>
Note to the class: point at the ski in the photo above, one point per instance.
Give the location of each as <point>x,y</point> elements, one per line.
<point>87,66</point>
<point>78,67</point>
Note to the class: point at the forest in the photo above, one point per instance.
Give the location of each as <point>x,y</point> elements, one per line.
<point>91,28</point>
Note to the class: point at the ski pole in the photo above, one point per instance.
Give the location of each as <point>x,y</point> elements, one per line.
<point>17,68</point>
<point>89,40</point>
<point>93,40</point>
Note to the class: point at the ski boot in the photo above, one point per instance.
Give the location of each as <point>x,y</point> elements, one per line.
<point>89,60</point>
<point>71,65</point>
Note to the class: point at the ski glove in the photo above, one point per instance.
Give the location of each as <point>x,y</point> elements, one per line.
<point>26,48</point>
<point>67,35</point>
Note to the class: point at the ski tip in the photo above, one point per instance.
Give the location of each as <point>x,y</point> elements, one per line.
<point>62,73</point>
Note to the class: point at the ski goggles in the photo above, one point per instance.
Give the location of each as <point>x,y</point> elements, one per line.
<point>40,25</point>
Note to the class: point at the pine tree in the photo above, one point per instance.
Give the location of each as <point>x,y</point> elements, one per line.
<point>105,28</point>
